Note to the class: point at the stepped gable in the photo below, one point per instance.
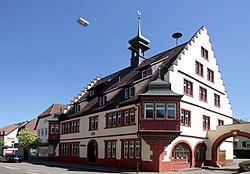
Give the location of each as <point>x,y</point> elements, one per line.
<point>127,76</point>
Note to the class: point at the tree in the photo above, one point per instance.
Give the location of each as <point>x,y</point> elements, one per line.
<point>27,139</point>
<point>1,146</point>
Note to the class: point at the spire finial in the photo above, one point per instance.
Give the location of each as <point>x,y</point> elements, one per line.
<point>139,14</point>
<point>139,22</point>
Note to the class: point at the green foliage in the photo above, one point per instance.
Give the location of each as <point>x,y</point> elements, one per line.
<point>1,144</point>
<point>244,166</point>
<point>27,139</point>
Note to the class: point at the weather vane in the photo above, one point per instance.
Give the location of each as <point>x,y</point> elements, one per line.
<point>139,14</point>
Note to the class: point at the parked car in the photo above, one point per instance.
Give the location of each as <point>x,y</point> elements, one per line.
<point>12,158</point>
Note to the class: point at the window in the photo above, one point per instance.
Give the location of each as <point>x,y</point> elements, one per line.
<point>188,87</point>
<point>110,149</point>
<point>198,68</point>
<point>119,119</point>
<point>149,110</point>
<point>181,151</point>
<point>91,93</point>
<point>126,117</point>
<point>220,122</point>
<point>56,129</point>
<point>129,92</point>
<point>109,120</point>
<point>210,75</point>
<point>185,117</point>
<point>52,129</point>
<point>137,149</point>
<point>171,110</point>
<point>131,149</point>
<point>102,100</point>
<point>132,116</point>
<point>203,94</point>
<point>146,72</point>
<point>206,122</point>
<point>125,149</point>
<point>93,123</point>
<point>244,144</point>
<point>204,53</point>
<point>77,108</point>
<point>114,119</point>
<point>160,110</point>
<point>69,127</point>
<point>70,149</point>
<point>216,100</point>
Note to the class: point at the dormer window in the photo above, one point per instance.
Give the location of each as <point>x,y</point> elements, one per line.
<point>129,92</point>
<point>102,100</point>
<point>91,93</point>
<point>146,72</point>
<point>77,108</point>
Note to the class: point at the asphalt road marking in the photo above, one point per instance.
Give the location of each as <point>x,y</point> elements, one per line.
<point>8,167</point>
<point>32,171</point>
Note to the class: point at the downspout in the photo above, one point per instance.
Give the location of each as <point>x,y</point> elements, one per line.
<point>140,166</point>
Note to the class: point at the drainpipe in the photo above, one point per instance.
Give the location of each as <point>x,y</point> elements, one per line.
<point>137,165</point>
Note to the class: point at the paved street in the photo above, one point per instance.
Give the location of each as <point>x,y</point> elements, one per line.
<point>50,167</point>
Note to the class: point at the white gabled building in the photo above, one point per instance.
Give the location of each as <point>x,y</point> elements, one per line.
<point>154,115</point>
<point>44,149</point>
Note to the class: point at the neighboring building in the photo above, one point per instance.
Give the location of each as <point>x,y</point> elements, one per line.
<point>154,114</point>
<point>9,134</point>
<point>241,144</point>
<point>31,127</point>
<point>44,149</point>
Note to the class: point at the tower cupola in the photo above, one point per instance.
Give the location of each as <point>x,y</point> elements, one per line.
<point>138,46</point>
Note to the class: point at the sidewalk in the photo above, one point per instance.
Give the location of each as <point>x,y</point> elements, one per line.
<point>96,168</point>
<point>72,166</point>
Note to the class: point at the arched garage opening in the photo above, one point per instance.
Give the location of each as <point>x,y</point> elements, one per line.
<point>181,155</point>
<point>221,139</point>
<point>200,154</point>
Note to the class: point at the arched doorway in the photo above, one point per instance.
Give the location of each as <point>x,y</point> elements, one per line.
<point>216,144</point>
<point>92,151</point>
<point>181,156</point>
<point>200,154</point>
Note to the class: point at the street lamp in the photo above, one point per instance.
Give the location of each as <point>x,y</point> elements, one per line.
<point>83,22</point>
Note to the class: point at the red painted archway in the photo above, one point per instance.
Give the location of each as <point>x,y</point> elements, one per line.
<point>220,140</point>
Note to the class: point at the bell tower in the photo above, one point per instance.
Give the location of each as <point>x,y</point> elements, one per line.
<point>138,46</point>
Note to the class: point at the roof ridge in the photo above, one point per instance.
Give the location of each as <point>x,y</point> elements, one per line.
<point>78,96</point>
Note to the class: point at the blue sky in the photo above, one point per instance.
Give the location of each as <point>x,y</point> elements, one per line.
<point>46,57</point>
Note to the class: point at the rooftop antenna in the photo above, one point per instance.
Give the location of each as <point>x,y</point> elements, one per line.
<point>176,36</point>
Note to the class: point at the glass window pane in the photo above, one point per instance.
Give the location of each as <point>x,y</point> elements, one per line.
<point>160,110</point>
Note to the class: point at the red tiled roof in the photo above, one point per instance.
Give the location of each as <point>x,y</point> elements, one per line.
<point>9,129</point>
<point>51,110</point>
<point>31,125</point>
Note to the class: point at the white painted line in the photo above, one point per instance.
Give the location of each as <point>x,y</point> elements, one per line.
<point>8,167</point>
<point>32,172</point>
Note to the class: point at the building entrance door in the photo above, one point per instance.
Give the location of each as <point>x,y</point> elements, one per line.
<point>222,157</point>
<point>92,151</point>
